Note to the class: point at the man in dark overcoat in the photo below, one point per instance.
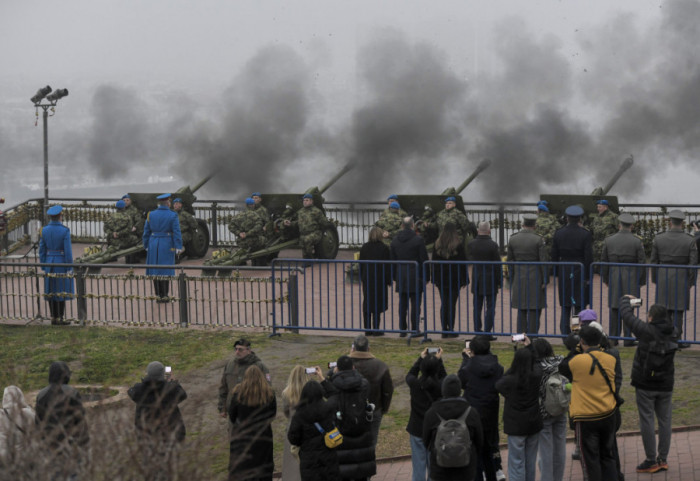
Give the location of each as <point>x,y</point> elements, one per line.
<point>673,285</point>
<point>486,278</point>
<point>622,248</point>
<point>572,243</point>
<point>528,282</point>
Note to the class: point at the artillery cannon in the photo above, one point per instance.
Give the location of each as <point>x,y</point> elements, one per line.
<point>284,207</point>
<point>146,202</point>
<point>424,208</point>
<point>557,203</point>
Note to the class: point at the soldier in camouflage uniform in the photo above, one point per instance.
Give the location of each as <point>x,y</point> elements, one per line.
<point>311,222</point>
<point>137,218</point>
<point>393,198</point>
<point>119,229</point>
<point>603,225</point>
<point>465,228</point>
<point>188,224</point>
<point>248,228</point>
<point>390,222</point>
<point>260,209</point>
<point>546,224</point>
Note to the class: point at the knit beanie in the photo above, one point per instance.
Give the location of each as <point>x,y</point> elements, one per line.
<point>451,387</point>
<point>156,371</point>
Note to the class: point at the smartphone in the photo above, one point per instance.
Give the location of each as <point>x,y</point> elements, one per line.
<point>635,302</point>
<point>466,345</point>
<point>332,364</point>
<point>310,370</point>
<point>433,350</point>
<point>168,369</point>
<point>575,323</point>
<point>518,337</point>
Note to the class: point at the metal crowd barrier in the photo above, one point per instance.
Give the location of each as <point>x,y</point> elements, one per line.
<point>241,297</point>
<point>670,285</point>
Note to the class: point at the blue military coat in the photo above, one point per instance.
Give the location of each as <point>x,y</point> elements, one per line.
<point>55,247</point>
<point>161,236</point>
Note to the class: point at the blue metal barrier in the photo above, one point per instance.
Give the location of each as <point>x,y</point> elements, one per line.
<point>670,285</point>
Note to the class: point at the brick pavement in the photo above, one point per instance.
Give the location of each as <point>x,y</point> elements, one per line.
<point>683,460</point>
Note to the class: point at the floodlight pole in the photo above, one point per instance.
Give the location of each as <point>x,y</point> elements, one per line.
<point>45,107</point>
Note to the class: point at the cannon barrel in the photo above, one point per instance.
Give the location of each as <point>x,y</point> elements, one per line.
<point>480,168</point>
<point>623,168</point>
<point>197,186</point>
<point>347,168</point>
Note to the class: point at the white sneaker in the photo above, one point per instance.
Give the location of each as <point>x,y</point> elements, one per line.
<point>500,475</point>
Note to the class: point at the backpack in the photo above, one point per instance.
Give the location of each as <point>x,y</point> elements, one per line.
<point>659,360</point>
<point>556,397</point>
<point>353,420</point>
<point>453,443</point>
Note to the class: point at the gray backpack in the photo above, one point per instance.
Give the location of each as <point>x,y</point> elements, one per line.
<point>453,444</point>
<point>556,397</point>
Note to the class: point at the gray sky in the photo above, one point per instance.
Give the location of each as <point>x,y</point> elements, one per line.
<point>275,96</point>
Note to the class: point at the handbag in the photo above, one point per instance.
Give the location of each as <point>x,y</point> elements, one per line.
<point>332,438</point>
<point>619,401</point>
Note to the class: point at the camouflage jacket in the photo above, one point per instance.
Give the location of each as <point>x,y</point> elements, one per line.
<point>310,219</point>
<point>137,218</point>
<point>390,221</point>
<point>459,219</point>
<point>188,225</point>
<point>545,226</point>
<point>602,226</point>
<point>402,213</point>
<point>261,210</point>
<point>121,224</point>
<point>248,221</point>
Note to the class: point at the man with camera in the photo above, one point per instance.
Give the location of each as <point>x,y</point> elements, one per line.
<point>652,376</point>
<point>673,285</point>
<point>622,248</point>
<point>381,387</point>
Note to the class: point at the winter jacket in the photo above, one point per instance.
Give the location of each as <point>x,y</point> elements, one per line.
<point>16,423</point>
<point>233,375</point>
<point>251,448</point>
<point>157,412</point>
<point>548,365</point>
<point>381,387</point>
<point>658,331</point>
<point>479,375</point>
<point>591,398</point>
<point>316,461</point>
<point>423,395</point>
<point>486,278</point>
<point>521,411</point>
<point>408,246</point>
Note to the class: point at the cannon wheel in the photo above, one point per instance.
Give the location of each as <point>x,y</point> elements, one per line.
<point>199,245</point>
<point>328,247</point>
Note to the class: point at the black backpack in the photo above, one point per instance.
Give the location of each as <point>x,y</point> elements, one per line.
<point>659,359</point>
<point>353,419</point>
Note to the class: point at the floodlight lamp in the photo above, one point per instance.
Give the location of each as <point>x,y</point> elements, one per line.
<point>40,94</point>
<point>57,94</point>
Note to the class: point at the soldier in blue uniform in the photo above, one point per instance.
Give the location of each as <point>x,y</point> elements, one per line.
<point>572,243</point>
<point>55,247</point>
<point>163,240</point>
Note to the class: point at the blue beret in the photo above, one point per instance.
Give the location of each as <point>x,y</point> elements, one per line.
<point>394,205</point>
<point>602,201</point>
<point>120,204</point>
<point>177,199</point>
<point>249,201</point>
<point>163,196</point>
<point>543,202</point>
<point>574,211</point>
<point>55,210</point>
<point>308,196</point>
<point>126,196</point>
<point>256,194</point>
<point>393,196</point>
<point>542,207</point>
<point>450,199</point>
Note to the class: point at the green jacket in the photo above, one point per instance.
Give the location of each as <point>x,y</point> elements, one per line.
<point>121,224</point>
<point>188,226</point>
<point>390,221</point>
<point>546,225</point>
<point>233,375</point>
<point>465,229</point>
<point>311,219</point>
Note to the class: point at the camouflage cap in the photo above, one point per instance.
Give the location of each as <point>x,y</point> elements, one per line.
<point>627,219</point>
<point>677,214</point>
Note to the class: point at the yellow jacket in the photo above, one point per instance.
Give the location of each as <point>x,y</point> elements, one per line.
<point>591,398</point>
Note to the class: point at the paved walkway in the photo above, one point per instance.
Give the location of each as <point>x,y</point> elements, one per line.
<point>683,461</point>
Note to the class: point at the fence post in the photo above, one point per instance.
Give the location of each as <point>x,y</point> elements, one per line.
<point>184,295</point>
<point>214,231</point>
<point>293,303</point>
<point>81,291</point>
<point>502,228</point>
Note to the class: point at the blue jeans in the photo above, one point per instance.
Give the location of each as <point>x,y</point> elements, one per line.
<point>490,312</point>
<point>552,448</point>
<point>420,459</point>
<point>522,456</point>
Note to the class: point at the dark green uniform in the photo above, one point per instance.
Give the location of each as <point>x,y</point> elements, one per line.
<point>252,224</point>
<point>137,219</point>
<point>188,226</point>
<point>311,222</point>
<point>390,222</point>
<point>603,225</point>
<point>261,210</point>
<point>120,224</point>
<point>545,226</point>
<point>465,229</point>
